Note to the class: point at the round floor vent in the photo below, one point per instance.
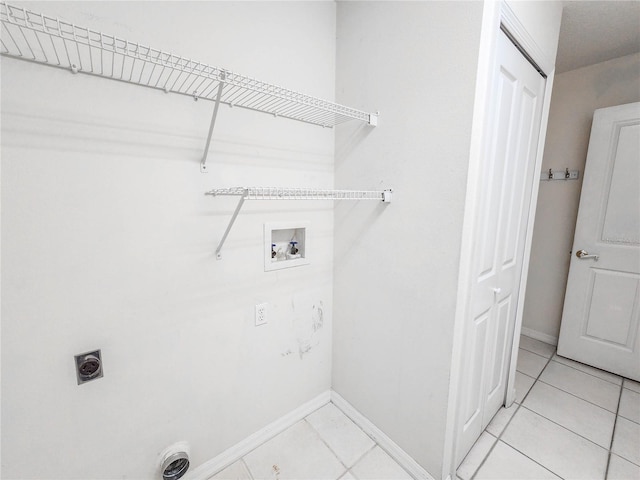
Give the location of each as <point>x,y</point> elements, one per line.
<point>175,461</point>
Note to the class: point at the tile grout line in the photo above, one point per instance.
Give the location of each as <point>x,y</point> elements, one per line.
<point>627,388</point>
<point>527,456</point>
<point>391,457</point>
<point>553,357</point>
<point>366,452</point>
<point>619,414</point>
<point>577,396</point>
<point>488,453</point>
<point>349,472</point>
<point>246,466</point>
<point>375,444</point>
<point>628,419</point>
<point>262,444</point>
<point>548,359</point>
<point>328,446</point>
<point>578,370</point>
<point>562,426</point>
<point>613,433</point>
<point>299,421</point>
<point>507,426</point>
<point>588,373</point>
<point>535,353</point>
<point>526,375</point>
<point>616,414</point>
<point>531,351</point>
<point>565,428</point>
<point>352,474</point>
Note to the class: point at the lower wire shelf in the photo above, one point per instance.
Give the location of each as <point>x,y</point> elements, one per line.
<point>282,193</point>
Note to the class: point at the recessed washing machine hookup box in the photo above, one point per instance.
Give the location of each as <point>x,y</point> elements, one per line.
<point>286,245</point>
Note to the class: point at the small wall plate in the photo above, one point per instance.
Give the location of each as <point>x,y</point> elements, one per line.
<point>88,366</point>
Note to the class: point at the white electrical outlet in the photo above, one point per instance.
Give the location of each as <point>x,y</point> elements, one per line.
<point>261,314</point>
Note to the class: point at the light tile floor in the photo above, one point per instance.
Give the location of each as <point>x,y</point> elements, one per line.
<point>569,421</point>
<point>326,445</point>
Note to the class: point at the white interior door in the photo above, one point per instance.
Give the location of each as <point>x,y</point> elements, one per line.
<point>501,224</point>
<point>601,308</point>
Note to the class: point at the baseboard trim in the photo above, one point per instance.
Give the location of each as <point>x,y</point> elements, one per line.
<point>239,450</point>
<point>392,448</point>
<point>543,337</point>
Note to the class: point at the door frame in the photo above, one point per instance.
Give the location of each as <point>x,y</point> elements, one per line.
<point>495,15</point>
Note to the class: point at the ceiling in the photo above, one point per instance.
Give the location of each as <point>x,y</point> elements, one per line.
<point>596,31</point>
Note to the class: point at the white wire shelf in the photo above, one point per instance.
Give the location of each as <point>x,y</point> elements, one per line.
<point>35,37</point>
<point>282,193</point>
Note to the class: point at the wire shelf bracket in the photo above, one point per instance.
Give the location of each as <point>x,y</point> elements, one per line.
<point>42,39</point>
<point>278,193</point>
<point>203,162</point>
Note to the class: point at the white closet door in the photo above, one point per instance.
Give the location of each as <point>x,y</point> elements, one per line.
<point>601,316</point>
<point>504,200</point>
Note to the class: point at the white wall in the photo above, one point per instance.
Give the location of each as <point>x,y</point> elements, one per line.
<point>542,21</point>
<point>576,94</point>
<point>396,265</point>
<point>108,242</point>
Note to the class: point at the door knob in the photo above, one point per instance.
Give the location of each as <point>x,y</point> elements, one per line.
<point>497,290</point>
<point>583,255</point>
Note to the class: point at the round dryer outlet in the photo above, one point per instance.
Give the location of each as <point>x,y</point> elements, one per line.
<point>88,366</point>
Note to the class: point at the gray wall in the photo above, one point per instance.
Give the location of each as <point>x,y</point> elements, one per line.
<point>396,265</point>
<point>576,94</point>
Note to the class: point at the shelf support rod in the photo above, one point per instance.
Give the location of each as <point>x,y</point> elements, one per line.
<point>233,219</point>
<point>203,162</point>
